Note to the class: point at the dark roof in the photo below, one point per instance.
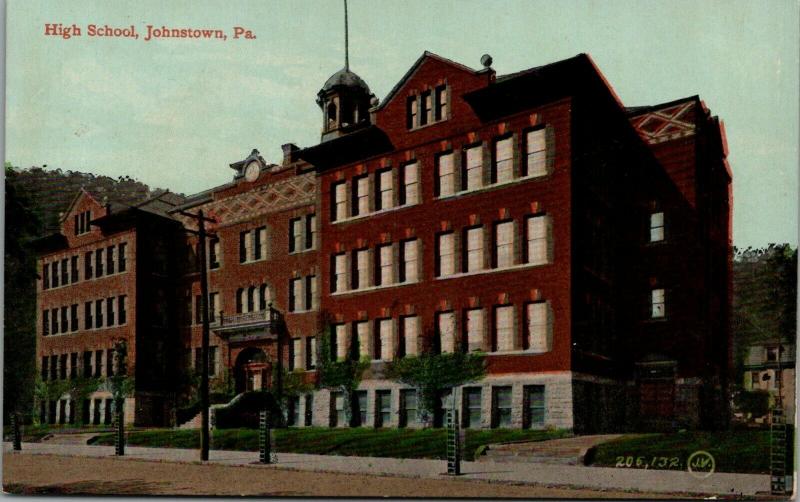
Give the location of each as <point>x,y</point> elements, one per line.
<point>638,110</point>
<point>159,205</point>
<point>344,78</point>
<point>48,243</point>
<point>360,144</point>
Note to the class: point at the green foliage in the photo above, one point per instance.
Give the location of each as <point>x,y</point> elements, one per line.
<point>755,403</point>
<point>432,374</point>
<point>223,387</point>
<point>343,375</point>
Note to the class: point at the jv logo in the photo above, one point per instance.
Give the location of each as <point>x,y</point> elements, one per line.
<point>700,464</point>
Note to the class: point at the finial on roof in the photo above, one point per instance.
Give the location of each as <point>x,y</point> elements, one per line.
<point>346,44</point>
<point>486,60</point>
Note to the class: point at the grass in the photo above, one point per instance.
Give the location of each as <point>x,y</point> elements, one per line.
<point>397,443</point>
<point>739,451</point>
<point>35,432</point>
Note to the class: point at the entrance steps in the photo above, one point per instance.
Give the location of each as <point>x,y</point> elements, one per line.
<point>568,451</point>
<point>193,423</point>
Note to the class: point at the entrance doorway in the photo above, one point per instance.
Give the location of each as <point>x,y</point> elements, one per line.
<point>252,370</point>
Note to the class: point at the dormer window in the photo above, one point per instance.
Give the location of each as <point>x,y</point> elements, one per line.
<point>427,108</point>
<point>82,222</point>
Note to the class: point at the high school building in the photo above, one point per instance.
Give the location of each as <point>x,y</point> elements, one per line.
<point>584,246</point>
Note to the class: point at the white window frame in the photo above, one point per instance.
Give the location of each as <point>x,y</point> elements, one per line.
<point>386,184</point>
<point>538,324</point>
<point>361,186</point>
<point>657,228</point>
<point>386,339</point>
<point>446,326</point>
<point>473,168</point>
<point>445,171</point>
<point>658,303</point>
<point>362,267</point>
<point>339,194</point>
<point>410,266</point>
<point>411,334</point>
<point>504,159</point>
<point>475,329</point>
<point>504,327</point>
<point>538,241</point>
<point>445,243</point>
<point>410,173</point>
<point>340,272</point>
<point>536,153</point>
<point>361,332</point>
<point>475,246</point>
<point>504,244</point>
<point>385,256</point>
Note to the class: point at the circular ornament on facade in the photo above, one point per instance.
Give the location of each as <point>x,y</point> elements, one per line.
<point>252,171</point>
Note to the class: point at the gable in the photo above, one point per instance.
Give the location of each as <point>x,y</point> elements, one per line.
<point>83,201</point>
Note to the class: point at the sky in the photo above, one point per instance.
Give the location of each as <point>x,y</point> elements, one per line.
<point>174,113</point>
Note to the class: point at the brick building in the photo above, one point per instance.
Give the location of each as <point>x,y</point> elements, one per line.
<point>584,246</point>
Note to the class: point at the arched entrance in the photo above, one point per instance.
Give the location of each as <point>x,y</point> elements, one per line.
<point>252,370</point>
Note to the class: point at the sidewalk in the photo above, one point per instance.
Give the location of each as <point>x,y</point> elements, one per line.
<point>603,478</point>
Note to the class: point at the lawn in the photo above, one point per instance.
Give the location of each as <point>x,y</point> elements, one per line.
<point>745,451</point>
<point>398,443</point>
<point>35,432</point>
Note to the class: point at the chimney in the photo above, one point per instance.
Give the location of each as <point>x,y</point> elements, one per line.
<point>289,151</point>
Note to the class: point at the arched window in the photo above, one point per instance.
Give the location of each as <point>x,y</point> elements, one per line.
<point>265,297</point>
<point>251,292</point>
<point>239,300</point>
<point>331,118</point>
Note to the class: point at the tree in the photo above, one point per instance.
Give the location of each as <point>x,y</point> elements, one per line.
<point>340,375</point>
<point>23,222</point>
<point>433,374</point>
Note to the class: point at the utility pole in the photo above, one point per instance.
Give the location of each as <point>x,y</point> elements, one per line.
<point>204,399</point>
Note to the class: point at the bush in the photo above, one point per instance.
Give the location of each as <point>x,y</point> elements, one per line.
<point>244,411</point>
<point>755,403</point>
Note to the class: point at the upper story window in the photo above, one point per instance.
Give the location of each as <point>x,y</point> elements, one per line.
<point>253,298</point>
<point>656,227</point>
<point>339,342</point>
<point>361,338</point>
<point>475,329</point>
<point>657,304</point>
<point>384,189</point>
<point>360,195</point>
<point>503,168</point>
<point>504,328</point>
<point>360,269</point>
<point>338,201</point>
<point>252,245</point>
<point>295,294</point>
<point>214,252</point>
<point>74,268</point>
<point>295,234</point>
<point>538,332</point>
<point>445,254</point>
<point>446,327</point>
<point>98,263</point>
<point>409,332</point>
<point>383,340</point>
<point>537,239</point>
<point>82,220</point>
<point>428,107</point>
<point>302,233</point>
<point>445,175</point>
<point>472,172</point>
<point>339,273</point>
<point>384,265</point>
<point>504,244</point>
<point>535,153</point>
<point>474,252</point>
<point>409,261</point>
<point>409,187</point>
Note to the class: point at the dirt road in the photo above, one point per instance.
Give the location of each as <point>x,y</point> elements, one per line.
<point>48,474</point>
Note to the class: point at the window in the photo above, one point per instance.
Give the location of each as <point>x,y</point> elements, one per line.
<point>110,260</point>
<point>87,315</point>
<point>98,313</point>
<point>538,326</point>
<point>535,153</point>
<point>81,222</point>
<point>338,201</point>
<point>53,367</point>
<point>311,292</point>
<point>533,412</point>
<point>472,173</point>
<point>45,366</point>
<point>472,408</point>
<point>296,357</point>
<point>772,354</point>
<point>311,352</point>
<point>251,299</point>
<point>440,95</point>
<point>658,305</point>
<point>360,414</point>
<point>295,235</point>
<point>446,324</point>
<point>445,175</point>
<point>73,311</point>
<point>537,242</point>
<point>98,263</point>
<point>409,189</point>
<point>74,268</point>
<point>383,341</point>
<point>503,169</point>
<point>339,342</point>
<point>45,276</point>
<point>360,268</point>
<point>504,328</point>
<point>360,195</point>
<point>445,251</point>
<point>408,407</point>
<point>244,245</point>
<point>384,266</point>
<point>55,275</point>
<point>54,321</point>
<point>474,329</point>
<point>264,297</point>
<point>123,313</point>
<point>656,227</point>
<point>409,328</point>
<point>474,249</point>
<point>110,362</point>
<point>293,411</point>
<point>213,253</point>
<point>252,244</point>
<point>121,256</point>
<point>383,408</point>
<point>309,412</point>
<point>260,242</point>
<point>411,112</point>
<point>295,293</point>
<point>384,190</point>
<point>361,329</point>
<point>501,407</point>
<point>110,312</point>
<point>65,271</point>
<point>98,363</point>
<point>426,111</point>
<point>213,307</point>
<point>62,366</point>
<point>408,261</point>
<point>87,265</point>
<point>87,364</point>
<point>311,231</point>
<point>504,244</point>
<point>64,320</point>
<point>45,322</point>
<point>339,275</point>
<point>73,365</point>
